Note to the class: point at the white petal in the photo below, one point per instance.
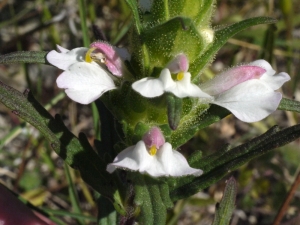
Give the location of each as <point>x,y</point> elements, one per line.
<point>249,101</point>
<point>174,163</point>
<point>85,82</point>
<point>183,88</point>
<point>263,64</point>
<point>148,87</point>
<point>136,158</point>
<point>62,49</point>
<point>274,81</point>
<point>166,162</point>
<point>65,59</point>
<point>166,79</point>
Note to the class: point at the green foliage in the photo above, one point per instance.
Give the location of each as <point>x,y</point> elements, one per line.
<point>76,152</point>
<point>135,12</point>
<point>174,108</point>
<point>201,116</point>
<point>225,208</point>
<point>106,212</point>
<point>221,37</point>
<point>25,57</point>
<point>152,198</point>
<point>216,168</point>
<point>165,41</point>
<point>289,105</point>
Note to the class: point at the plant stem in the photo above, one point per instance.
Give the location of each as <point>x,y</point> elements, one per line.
<point>83,17</point>
<point>287,201</point>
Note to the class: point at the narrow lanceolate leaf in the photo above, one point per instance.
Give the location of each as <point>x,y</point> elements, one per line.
<point>289,105</point>
<point>76,152</point>
<point>221,37</point>
<point>24,57</point>
<point>225,208</point>
<point>152,197</point>
<point>200,117</point>
<point>174,107</point>
<point>107,214</point>
<point>233,159</point>
<point>135,12</point>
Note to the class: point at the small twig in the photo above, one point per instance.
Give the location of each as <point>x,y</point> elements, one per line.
<point>287,201</point>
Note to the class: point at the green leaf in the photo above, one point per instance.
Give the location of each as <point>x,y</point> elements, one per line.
<point>24,57</point>
<point>200,11</point>
<point>107,214</point>
<point>227,204</point>
<point>135,11</point>
<point>174,108</point>
<point>152,197</point>
<point>221,37</point>
<point>73,194</point>
<point>164,42</point>
<point>231,160</point>
<point>76,152</point>
<point>289,105</point>
<point>200,117</point>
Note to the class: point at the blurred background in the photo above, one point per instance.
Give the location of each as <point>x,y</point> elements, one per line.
<point>28,165</point>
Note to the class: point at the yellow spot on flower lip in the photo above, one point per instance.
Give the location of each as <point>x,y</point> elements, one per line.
<point>153,150</point>
<point>180,75</point>
<point>88,55</point>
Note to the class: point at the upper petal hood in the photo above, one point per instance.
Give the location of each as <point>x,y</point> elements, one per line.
<point>114,56</point>
<point>85,82</point>
<point>230,78</point>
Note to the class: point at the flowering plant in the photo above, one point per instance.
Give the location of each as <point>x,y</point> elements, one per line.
<point>151,100</point>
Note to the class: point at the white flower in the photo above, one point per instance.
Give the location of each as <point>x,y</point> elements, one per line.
<point>85,77</point>
<point>181,87</point>
<point>247,91</point>
<point>154,157</point>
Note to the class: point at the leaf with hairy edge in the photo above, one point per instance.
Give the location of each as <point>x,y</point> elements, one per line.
<point>107,214</point>
<point>231,160</point>
<point>24,57</point>
<point>221,37</point>
<point>76,152</point>
<point>152,197</point>
<point>135,11</point>
<point>289,105</point>
<point>225,208</point>
<point>200,117</point>
<point>176,36</point>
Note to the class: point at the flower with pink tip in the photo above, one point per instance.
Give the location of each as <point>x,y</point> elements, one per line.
<point>153,156</point>
<point>181,87</point>
<point>88,72</point>
<point>248,91</point>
